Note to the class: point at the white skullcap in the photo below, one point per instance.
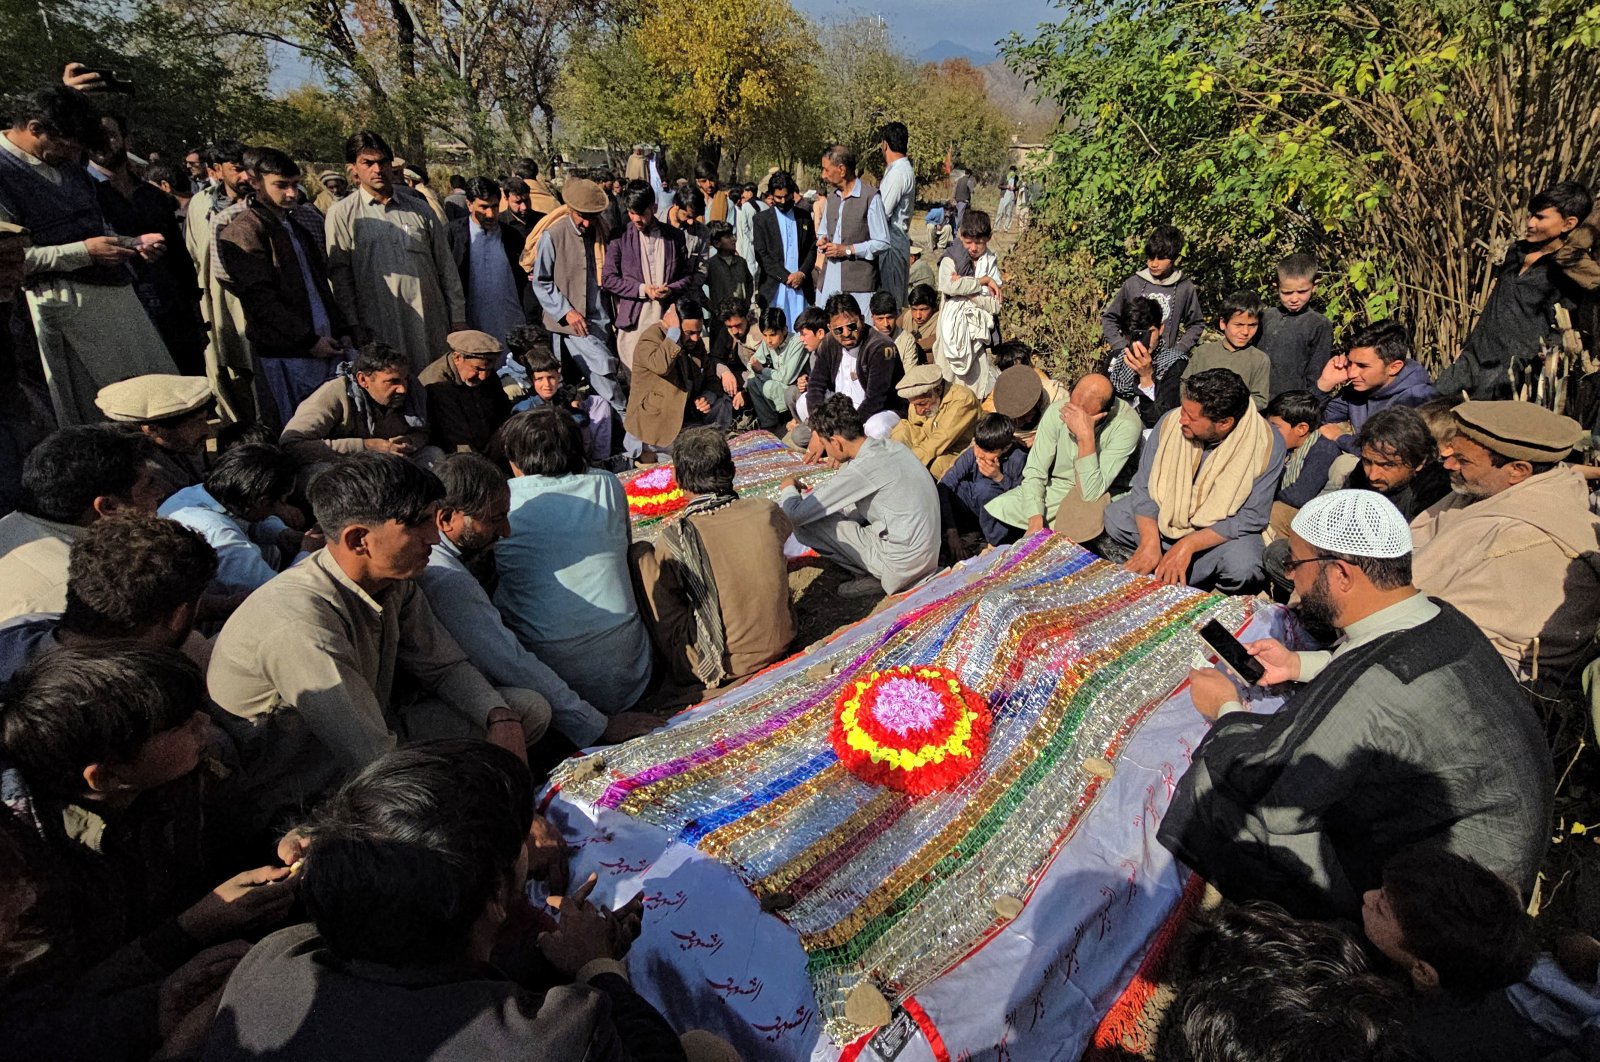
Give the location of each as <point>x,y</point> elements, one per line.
<point>1359,523</point>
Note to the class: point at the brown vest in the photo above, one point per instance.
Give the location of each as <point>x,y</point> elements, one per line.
<point>860,274</point>
<point>573,271</point>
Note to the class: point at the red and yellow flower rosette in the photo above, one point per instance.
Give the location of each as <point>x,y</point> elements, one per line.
<point>654,493</point>
<point>913,728</point>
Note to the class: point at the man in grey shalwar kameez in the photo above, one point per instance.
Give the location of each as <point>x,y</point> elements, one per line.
<point>567,285</point>
<point>389,262</point>
<point>1410,732</point>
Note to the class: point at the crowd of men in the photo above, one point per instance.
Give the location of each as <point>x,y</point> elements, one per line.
<point>324,652</point>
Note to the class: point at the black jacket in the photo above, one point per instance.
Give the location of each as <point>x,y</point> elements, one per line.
<point>458,234</point>
<point>769,252</point>
<point>878,366</point>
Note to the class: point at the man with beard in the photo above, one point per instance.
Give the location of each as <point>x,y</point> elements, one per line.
<point>389,261</point>
<point>472,517</point>
<point>1513,545</point>
<point>785,246</point>
<point>1409,732</point>
<point>369,405</point>
<point>166,285</point>
<point>566,282</point>
<point>91,329</point>
<point>466,403</point>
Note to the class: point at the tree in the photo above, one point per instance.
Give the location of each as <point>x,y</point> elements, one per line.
<point>1399,141</point>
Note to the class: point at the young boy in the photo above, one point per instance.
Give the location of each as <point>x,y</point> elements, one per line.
<point>1240,322</point>
<point>988,468</point>
<point>1297,339</point>
<point>921,319</point>
<point>727,275</point>
<point>969,280</point>
<point>1519,315</point>
<point>593,414</point>
<point>1375,374</point>
<point>1461,936</point>
<point>1162,281</point>
<point>1296,415</point>
<point>886,319</point>
<point>1146,373</point>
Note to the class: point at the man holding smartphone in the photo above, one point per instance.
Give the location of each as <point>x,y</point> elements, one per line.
<point>91,327</point>
<point>1411,731</point>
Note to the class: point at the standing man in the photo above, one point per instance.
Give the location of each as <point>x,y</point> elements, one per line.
<point>230,363</point>
<point>390,265</point>
<point>960,194</point>
<point>166,286</point>
<point>898,190</point>
<point>718,205</point>
<point>275,267</point>
<point>785,246</point>
<point>196,168</point>
<point>638,168</point>
<point>485,251</point>
<point>854,233</point>
<point>91,327</point>
<point>567,285</point>
<point>334,187</point>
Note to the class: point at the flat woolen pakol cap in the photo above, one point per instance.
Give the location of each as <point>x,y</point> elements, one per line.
<point>584,196</point>
<point>1017,392</point>
<point>158,396</point>
<point>1358,523</point>
<point>921,380</point>
<point>1521,431</point>
<point>471,341</point>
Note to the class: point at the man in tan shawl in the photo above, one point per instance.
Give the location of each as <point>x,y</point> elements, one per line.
<point>389,263</point>
<point>1514,545</point>
<point>1203,492</point>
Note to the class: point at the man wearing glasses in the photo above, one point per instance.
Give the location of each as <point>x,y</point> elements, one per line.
<point>1410,731</point>
<point>860,362</point>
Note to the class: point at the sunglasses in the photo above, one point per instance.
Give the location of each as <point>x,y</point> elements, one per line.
<point>1321,558</point>
<point>846,330</point>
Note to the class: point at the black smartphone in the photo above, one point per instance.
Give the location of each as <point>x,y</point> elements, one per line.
<point>1232,650</point>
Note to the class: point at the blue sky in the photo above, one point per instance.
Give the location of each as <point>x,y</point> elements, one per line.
<point>975,24</point>
<point>919,24</point>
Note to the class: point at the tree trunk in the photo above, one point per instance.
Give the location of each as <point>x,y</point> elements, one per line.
<point>410,129</point>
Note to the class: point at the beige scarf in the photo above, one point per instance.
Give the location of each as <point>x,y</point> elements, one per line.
<point>1188,501</point>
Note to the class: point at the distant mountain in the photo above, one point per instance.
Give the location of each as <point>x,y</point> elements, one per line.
<point>938,53</point>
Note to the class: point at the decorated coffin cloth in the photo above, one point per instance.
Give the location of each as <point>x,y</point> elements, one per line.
<point>888,889</point>
<point>760,464</point>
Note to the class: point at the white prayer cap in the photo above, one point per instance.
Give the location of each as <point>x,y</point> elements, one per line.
<point>1359,523</point>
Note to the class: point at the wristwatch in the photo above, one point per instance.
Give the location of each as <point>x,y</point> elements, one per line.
<point>851,254</point>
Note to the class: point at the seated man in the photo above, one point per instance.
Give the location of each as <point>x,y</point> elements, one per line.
<point>940,420</point>
<point>1513,545</point>
<point>716,581</point>
<point>137,578</point>
<point>878,516</point>
<point>369,406</point>
<point>858,361</point>
<point>465,400</point>
<point>411,871</point>
<point>1081,447</point>
<point>675,382</point>
<point>1409,732</point>
<point>102,744</point>
<point>1203,492</point>
<point>885,308</point>
<point>990,467</point>
<point>174,413</point>
<point>1028,393</point>
<point>1398,460</point>
<point>921,317</point>
<point>1376,374</point>
<point>73,478</point>
<point>472,517</point>
<point>306,666</point>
